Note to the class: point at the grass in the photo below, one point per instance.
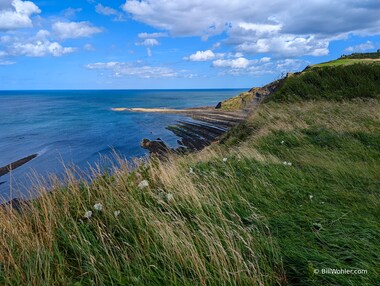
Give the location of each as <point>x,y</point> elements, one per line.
<point>331,83</point>
<point>232,214</point>
<point>239,101</point>
<point>347,61</point>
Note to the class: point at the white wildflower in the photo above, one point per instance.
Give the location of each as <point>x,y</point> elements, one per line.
<point>116,213</point>
<point>191,171</point>
<point>289,164</point>
<point>225,159</point>
<point>87,214</point>
<point>143,184</point>
<point>285,163</point>
<point>282,142</point>
<point>311,197</point>
<point>98,207</point>
<point>169,197</point>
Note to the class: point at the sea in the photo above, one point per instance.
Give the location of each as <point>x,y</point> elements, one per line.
<point>79,128</point>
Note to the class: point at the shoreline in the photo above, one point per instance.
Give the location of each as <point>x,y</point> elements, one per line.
<point>208,124</point>
<point>16,164</point>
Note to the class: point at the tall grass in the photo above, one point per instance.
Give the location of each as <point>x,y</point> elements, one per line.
<point>299,193</point>
<point>175,231</point>
<point>331,83</point>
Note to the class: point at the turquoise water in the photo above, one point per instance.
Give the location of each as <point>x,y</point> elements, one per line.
<point>77,127</point>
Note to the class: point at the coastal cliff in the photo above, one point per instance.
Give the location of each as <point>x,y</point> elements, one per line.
<point>290,189</point>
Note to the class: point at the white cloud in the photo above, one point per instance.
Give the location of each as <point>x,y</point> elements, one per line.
<point>259,67</point>
<point>36,46</point>
<point>151,35</point>
<point>17,14</point>
<point>289,65</point>
<point>121,69</point>
<point>265,59</point>
<point>148,43</point>
<point>239,63</point>
<point>280,27</point>
<point>361,47</point>
<point>287,45</point>
<point>6,63</point>
<point>109,11</point>
<point>202,56</point>
<point>260,29</point>
<point>216,46</point>
<point>104,10</point>
<point>72,30</point>
<point>149,52</point>
<point>71,12</point>
<point>40,49</point>
<point>88,47</point>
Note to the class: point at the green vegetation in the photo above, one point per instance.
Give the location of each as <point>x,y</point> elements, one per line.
<point>345,62</point>
<point>239,101</point>
<point>375,55</point>
<point>331,83</point>
<point>363,58</point>
<point>292,190</point>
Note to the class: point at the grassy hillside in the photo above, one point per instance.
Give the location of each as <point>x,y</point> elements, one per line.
<point>346,61</point>
<point>332,82</point>
<point>293,190</point>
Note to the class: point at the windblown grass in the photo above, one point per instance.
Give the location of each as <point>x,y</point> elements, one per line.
<point>173,231</point>
<point>347,61</point>
<point>292,190</point>
<point>331,83</point>
<point>232,214</point>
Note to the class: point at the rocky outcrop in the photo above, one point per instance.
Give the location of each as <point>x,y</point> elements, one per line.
<point>6,169</point>
<point>155,147</point>
<point>248,100</point>
<point>209,123</point>
<point>206,127</point>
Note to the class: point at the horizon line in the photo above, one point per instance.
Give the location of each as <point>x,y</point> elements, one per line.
<point>122,89</point>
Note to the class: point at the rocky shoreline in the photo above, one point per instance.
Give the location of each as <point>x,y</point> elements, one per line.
<point>208,124</point>
<point>12,166</point>
<point>205,125</point>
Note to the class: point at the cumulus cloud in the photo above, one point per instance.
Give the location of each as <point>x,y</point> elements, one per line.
<point>148,43</point>
<point>17,14</point>
<point>287,45</point>
<point>121,69</point>
<point>361,47</point>
<point>71,12</point>
<point>239,63</point>
<point>72,30</point>
<point>151,35</point>
<point>40,49</point>
<point>258,67</point>
<point>104,10</point>
<point>109,11</point>
<point>149,40</point>
<point>260,26</point>
<point>202,56</point>
<point>36,46</point>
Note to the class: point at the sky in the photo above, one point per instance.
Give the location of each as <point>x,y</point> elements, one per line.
<point>178,44</point>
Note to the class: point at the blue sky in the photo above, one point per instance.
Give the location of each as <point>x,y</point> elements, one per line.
<point>175,44</point>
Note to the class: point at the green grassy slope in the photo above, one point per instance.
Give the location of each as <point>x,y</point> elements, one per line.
<point>293,190</point>
<point>323,209</point>
<point>341,82</point>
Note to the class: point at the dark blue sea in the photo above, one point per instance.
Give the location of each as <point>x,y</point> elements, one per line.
<point>79,127</point>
